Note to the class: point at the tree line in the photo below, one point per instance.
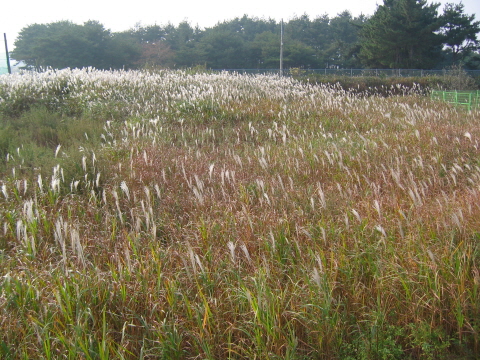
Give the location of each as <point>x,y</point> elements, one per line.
<point>400,34</point>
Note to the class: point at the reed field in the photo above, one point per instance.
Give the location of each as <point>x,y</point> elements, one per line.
<point>177,215</point>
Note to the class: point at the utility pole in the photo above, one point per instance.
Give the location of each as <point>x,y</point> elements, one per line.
<point>6,52</point>
<point>281,47</point>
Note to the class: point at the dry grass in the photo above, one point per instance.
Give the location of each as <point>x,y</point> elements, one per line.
<point>245,217</point>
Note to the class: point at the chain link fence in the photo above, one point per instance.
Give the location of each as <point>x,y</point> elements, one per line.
<point>355,72</point>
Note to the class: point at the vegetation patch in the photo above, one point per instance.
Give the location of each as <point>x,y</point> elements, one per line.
<point>180,215</point>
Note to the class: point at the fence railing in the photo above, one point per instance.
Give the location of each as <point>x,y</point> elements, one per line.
<point>337,72</point>
<point>467,99</point>
<point>355,72</point>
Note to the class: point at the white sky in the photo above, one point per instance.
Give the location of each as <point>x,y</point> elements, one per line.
<point>118,16</point>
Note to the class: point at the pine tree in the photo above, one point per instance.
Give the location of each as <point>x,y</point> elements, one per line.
<point>459,31</point>
<point>402,34</point>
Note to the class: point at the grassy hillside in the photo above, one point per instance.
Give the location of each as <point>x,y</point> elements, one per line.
<point>173,216</point>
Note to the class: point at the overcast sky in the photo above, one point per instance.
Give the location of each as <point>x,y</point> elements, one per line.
<point>119,16</point>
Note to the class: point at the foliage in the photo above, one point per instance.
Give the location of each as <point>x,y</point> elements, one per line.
<point>183,41</point>
<point>265,51</point>
<point>402,34</point>
<point>344,44</point>
<point>223,49</point>
<point>64,44</point>
<point>156,54</point>
<point>458,79</point>
<point>459,31</point>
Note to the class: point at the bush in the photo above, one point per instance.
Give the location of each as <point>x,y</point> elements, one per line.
<point>458,79</point>
<point>38,131</point>
<point>388,86</point>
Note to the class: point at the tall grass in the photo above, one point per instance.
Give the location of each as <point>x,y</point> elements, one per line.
<point>225,216</point>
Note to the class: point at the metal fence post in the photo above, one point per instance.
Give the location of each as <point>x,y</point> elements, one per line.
<point>6,52</point>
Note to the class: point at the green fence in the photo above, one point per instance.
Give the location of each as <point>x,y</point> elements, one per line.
<point>467,99</point>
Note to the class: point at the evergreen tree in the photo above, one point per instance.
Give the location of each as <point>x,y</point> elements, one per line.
<point>223,49</point>
<point>402,34</point>
<point>64,44</point>
<point>183,40</point>
<point>321,39</point>
<point>343,45</point>
<point>459,31</point>
<point>265,50</point>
